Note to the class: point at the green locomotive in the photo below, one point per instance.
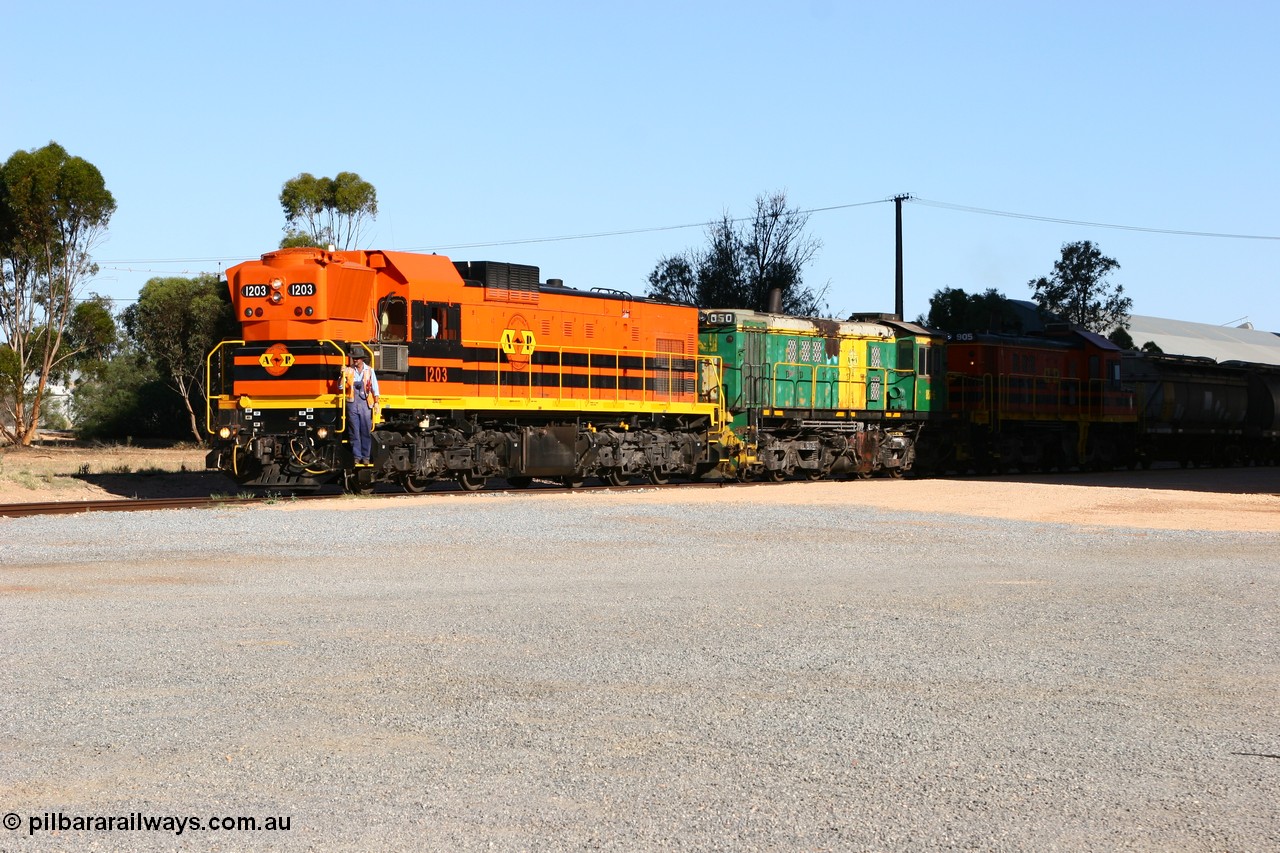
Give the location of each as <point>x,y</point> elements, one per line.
<point>819,398</point>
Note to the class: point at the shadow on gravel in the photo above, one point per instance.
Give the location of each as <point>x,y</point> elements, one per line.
<point>1228,481</point>
<point>190,484</point>
<point>1232,481</point>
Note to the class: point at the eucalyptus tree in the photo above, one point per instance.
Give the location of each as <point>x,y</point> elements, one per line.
<point>327,211</point>
<point>54,210</point>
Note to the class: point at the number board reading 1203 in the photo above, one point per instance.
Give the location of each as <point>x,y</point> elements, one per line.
<point>262,291</point>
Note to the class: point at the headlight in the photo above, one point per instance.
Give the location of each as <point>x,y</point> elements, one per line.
<point>224,433</point>
<point>322,432</point>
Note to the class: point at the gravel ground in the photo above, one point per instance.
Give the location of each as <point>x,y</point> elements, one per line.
<point>639,672</point>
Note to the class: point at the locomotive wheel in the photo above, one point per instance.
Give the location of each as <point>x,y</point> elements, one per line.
<point>659,478</point>
<point>519,482</point>
<point>615,477</point>
<point>413,485</point>
<point>775,475</point>
<point>471,482</point>
<point>896,473</point>
<point>813,474</point>
<point>572,481</point>
<point>352,485</point>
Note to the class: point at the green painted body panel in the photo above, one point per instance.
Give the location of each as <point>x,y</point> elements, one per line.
<point>806,372</point>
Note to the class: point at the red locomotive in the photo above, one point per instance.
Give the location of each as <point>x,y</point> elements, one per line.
<point>1033,402</point>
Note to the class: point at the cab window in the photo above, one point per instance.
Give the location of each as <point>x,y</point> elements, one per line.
<point>393,319</point>
<point>442,322</point>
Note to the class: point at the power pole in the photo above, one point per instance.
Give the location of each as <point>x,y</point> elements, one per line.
<point>897,288</point>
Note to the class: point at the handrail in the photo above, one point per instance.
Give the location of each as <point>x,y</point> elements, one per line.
<point>208,383</point>
<point>812,381</point>
<point>1042,396</point>
<point>340,397</point>
<point>210,396</point>
<point>655,366</point>
<point>838,385</point>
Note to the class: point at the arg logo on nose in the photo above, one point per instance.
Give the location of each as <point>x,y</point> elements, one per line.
<point>276,360</point>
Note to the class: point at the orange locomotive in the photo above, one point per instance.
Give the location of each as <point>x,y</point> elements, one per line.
<point>484,371</point>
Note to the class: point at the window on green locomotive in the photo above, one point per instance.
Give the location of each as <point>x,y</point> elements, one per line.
<point>927,361</point>
<point>906,354</point>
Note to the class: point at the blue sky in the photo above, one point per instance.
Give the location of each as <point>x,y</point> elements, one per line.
<point>490,122</point>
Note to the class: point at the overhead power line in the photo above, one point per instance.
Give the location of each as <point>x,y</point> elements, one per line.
<point>985,212</point>
<point>629,231</point>
<point>127,265</point>
<point>478,245</point>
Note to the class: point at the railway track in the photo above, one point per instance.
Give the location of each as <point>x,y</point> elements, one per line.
<point>116,505</point>
<point>1233,481</point>
<point>22,510</point>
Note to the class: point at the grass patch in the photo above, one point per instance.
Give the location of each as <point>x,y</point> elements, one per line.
<point>32,480</point>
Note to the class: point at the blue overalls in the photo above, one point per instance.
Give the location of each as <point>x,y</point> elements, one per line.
<point>359,412</point>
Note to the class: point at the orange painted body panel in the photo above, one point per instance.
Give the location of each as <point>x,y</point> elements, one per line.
<point>543,345</point>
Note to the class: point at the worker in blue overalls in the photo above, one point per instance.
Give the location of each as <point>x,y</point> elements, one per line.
<point>360,385</point>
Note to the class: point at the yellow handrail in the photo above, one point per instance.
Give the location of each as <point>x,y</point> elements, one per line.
<point>229,393</point>
<point>660,367</point>
<point>208,383</point>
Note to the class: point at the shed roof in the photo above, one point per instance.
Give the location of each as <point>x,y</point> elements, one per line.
<point>1221,343</point>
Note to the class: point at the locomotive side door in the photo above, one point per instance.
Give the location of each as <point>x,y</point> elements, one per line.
<point>879,362</point>
<point>755,369</point>
<point>902,376</point>
<point>926,368</point>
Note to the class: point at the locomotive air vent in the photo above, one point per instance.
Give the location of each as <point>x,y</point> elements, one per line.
<point>393,358</point>
<point>502,282</point>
